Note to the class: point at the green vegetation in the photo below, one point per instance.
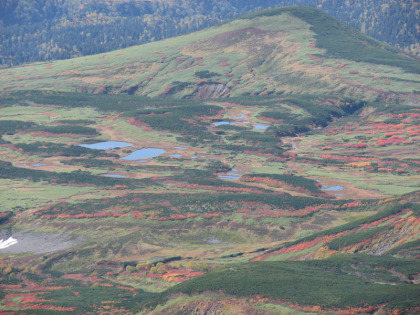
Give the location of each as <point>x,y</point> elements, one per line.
<point>407,247</point>
<point>215,63</point>
<point>54,149</point>
<point>76,121</point>
<point>284,197</point>
<point>321,283</point>
<point>11,126</point>
<point>206,74</point>
<point>164,204</point>
<point>390,210</point>
<point>354,238</point>
<point>179,213</point>
<point>92,163</point>
<point>176,120</point>
<point>69,99</point>
<point>293,180</point>
<point>7,170</point>
<point>95,295</point>
<point>77,130</point>
<point>71,28</point>
<point>342,41</point>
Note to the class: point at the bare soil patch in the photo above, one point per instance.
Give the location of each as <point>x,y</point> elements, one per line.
<point>37,243</point>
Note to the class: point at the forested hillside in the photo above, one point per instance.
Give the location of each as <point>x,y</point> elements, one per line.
<point>255,54</point>
<point>34,30</point>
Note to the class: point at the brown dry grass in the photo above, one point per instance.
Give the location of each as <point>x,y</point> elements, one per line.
<point>122,73</point>
<point>53,164</point>
<point>350,191</point>
<point>235,112</point>
<point>204,304</point>
<point>276,189</point>
<point>207,47</point>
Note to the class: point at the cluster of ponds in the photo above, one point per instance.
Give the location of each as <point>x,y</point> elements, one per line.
<point>140,155</point>
<point>143,154</point>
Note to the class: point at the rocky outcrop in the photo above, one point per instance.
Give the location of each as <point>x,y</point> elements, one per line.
<point>211,90</point>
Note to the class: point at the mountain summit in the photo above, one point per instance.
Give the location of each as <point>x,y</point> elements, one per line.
<point>281,51</point>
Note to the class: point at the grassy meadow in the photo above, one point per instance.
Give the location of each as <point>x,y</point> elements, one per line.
<point>158,222</point>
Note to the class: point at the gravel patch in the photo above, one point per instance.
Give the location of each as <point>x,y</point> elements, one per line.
<point>37,243</point>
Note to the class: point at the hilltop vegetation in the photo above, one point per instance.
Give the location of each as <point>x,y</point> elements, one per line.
<point>47,30</point>
<point>300,51</point>
<point>329,284</point>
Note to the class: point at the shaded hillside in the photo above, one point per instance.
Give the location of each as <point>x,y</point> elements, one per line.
<point>346,285</point>
<point>385,232</point>
<point>349,283</point>
<point>34,30</point>
<point>280,51</point>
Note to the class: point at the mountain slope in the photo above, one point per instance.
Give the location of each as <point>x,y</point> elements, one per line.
<point>348,283</point>
<point>256,204</point>
<point>287,50</point>
<point>58,29</point>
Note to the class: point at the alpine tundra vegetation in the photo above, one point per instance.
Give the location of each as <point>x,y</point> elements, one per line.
<point>266,165</point>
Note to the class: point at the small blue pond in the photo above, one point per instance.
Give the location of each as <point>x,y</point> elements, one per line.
<point>220,123</point>
<point>181,148</point>
<point>145,153</point>
<point>260,127</point>
<point>175,155</point>
<point>231,175</point>
<point>106,145</point>
<point>241,116</point>
<point>38,165</point>
<point>115,176</point>
<point>332,188</point>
